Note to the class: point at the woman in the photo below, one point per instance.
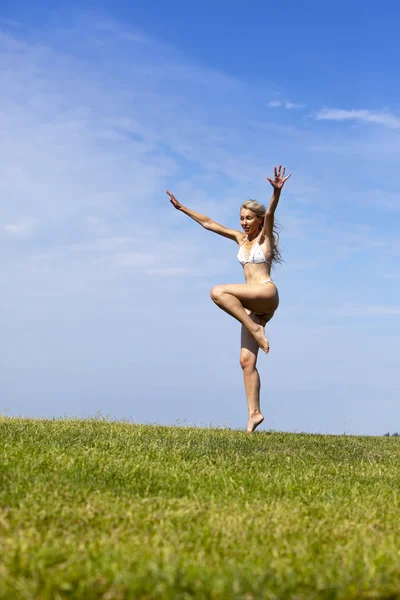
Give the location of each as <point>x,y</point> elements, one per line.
<point>252,303</point>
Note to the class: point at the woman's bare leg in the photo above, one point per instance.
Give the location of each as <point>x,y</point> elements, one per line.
<point>252,384</point>
<point>234,299</point>
<point>248,361</point>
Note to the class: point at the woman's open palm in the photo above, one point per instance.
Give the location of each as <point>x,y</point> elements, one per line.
<point>279,178</point>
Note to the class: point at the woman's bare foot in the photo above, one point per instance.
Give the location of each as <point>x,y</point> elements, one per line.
<point>259,336</point>
<point>254,422</point>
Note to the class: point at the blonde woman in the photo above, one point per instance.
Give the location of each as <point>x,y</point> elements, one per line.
<point>252,303</point>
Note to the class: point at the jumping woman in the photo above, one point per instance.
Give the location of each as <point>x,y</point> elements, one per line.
<point>252,303</point>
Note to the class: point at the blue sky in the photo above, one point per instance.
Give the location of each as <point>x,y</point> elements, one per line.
<point>105,287</point>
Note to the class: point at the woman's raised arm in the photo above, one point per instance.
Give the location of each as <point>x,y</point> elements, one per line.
<point>277,183</point>
<point>206,222</point>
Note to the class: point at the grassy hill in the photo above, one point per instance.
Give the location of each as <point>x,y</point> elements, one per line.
<point>99,509</point>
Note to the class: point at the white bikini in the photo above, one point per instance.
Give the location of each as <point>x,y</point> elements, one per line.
<point>256,257</point>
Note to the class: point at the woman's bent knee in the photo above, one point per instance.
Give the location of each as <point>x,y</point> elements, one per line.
<point>247,361</point>
<point>216,293</point>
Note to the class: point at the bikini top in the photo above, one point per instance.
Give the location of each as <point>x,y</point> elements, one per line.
<point>256,255</point>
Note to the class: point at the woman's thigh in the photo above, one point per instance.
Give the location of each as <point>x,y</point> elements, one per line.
<point>259,298</point>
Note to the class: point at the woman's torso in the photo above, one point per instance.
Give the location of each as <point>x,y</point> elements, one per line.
<point>257,250</point>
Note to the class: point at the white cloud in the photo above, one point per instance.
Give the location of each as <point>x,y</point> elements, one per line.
<point>274,103</point>
<point>382,198</point>
<point>301,264</point>
<point>284,104</point>
<point>136,258</point>
<point>171,271</point>
<point>109,26</point>
<point>9,22</point>
<point>290,105</point>
<point>368,310</point>
<point>132,37</point>
<point>22,227</point>
<point>385,118</point>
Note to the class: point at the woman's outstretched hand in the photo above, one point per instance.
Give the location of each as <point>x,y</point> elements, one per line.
<point>173,200</point>
<point>279,178</point>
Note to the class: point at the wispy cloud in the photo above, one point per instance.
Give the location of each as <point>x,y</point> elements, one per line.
<point>368,310</point>
<point>382,198</point>
<point>274,104</point>
<point>21,228</point>
<point>111,27</point>
<point>385,117</point>
<point>301,264</point>
<point>291,105</point>
<point>132,37</point>
<point>136,258</point>
<point>284,104</point>
<point>9,22</point>
<point>170,271</point>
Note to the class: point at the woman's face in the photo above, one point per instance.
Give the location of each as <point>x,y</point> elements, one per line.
<point>249,221</point>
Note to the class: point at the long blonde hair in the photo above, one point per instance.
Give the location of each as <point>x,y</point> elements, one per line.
<point>260,210</point>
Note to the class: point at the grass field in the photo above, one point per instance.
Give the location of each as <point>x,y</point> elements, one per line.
<point>101,509</point>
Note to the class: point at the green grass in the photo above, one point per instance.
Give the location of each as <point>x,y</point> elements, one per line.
<point>99,509</point>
